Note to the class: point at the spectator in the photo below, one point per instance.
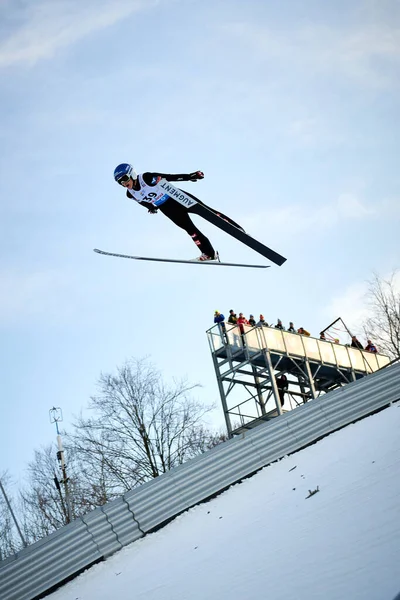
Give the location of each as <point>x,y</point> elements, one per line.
<point>303,331</point>
<point>279,325</point>
<point>291,328</point>
<point>252,321</point>
<point>355,343</point>
<point>232,317</point>
<point>218,317</point>
<point>262,322</point>
<point>322,336</point>
<point>370,347</point>
<point>241,322</point>
<point>283,386</point>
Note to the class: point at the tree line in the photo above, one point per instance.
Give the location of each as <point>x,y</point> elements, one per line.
<point>139,427</point>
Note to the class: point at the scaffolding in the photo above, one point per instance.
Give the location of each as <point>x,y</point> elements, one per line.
<point>250,363</point>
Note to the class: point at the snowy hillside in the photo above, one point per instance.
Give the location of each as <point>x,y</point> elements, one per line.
<point>268,538</point>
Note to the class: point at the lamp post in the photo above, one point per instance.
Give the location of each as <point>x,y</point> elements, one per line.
<point>56,417</point>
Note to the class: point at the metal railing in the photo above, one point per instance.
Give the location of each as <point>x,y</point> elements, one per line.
<point>255,339</point>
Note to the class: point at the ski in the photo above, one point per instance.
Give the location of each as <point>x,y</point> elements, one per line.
<point>183,198</point>
<point>175,260</point>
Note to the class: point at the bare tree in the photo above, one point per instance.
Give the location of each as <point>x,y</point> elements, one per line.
<point>43,498</point>
<point>142,427</point>
<point>383,327</point>
<point>44,504</point>
<point>11,537</point>
<point>204,439</point>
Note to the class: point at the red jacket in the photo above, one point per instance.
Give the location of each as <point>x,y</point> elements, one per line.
<point>242,321</point>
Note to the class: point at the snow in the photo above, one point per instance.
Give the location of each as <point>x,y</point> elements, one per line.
<point>263,538</point>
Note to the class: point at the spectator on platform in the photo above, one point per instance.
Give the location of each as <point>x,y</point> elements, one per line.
<point>291,328</point>
<point>303,331</point>
<point>279,325</point>
<point>370,347</point>
<point>241,322</point>
<point>232,317</point>
<point>283,386</point>
<point>218,317</point>
<point>252,321</point>
<point>322,336</point>
<point>355,343</point>
<point>262,322</point>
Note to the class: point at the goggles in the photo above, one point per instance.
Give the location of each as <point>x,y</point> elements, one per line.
<point>124,179</point>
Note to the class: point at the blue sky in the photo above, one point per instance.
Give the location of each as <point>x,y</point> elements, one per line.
<point>290,109</point>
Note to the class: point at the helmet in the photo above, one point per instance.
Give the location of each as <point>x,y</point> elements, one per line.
<point>124,169</point>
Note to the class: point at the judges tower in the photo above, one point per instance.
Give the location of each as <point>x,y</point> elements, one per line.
<point>249,363</point>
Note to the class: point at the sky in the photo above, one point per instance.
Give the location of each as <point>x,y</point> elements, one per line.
<point>290,109</point>
<point>268,538</point>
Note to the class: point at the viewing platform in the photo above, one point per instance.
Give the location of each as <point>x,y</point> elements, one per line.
<point>248,363</point>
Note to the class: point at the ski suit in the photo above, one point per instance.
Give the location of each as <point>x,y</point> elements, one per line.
<point>177,213</point>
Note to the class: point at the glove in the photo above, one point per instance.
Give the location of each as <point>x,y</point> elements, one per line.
<point>153,210</point>
<point>196,175</point>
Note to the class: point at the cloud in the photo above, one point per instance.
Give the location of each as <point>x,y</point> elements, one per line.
<point>307,129</point>
<point>47,26</point>
<point>309,132</point>
<point>30,294</point>
<point>352,303</point>
<point>391,206</point>
<point>298,218</point>
<point>365,54</point>
<point>350,207</point>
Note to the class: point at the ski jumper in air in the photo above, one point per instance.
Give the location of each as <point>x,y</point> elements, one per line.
<point>145,189</point>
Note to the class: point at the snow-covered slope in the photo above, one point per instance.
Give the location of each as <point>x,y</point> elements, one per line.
<point>265,538</point>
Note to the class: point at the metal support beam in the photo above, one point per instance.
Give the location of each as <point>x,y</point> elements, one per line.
<point>223,398</point>
<point>273,381</point>
<point>310,379</point>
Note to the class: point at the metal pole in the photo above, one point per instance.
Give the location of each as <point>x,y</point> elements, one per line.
<point>335,321</point>
<point>310,378</point>
<point>346,328</point>
<point>261,401</point>
<point>12,514</point>
<point>273,380</point>
<point>55,417</point>
<point>222,396</point>
<point>302,389</point>
<point>64,480</point>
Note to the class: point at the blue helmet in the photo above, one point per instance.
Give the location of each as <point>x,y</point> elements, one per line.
<point>124,170</point>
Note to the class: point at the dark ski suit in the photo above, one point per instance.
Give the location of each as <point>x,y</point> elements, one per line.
<point>179,214</point>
